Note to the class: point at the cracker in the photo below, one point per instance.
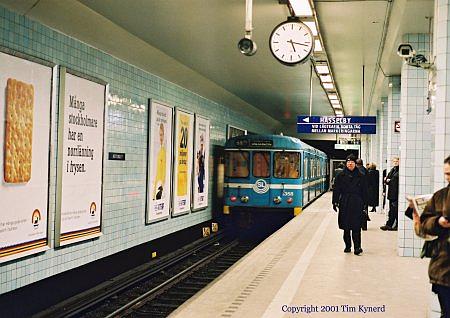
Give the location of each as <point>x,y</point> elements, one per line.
<point>19,131</point>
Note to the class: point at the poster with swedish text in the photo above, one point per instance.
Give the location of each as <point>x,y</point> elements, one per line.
<point>182,174</point>
<point>80,158</point>
<point>159,161</point>
<point>25,122</point>
<point>201,164</point>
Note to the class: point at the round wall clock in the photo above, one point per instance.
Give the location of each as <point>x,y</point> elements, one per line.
<point>291,42</point>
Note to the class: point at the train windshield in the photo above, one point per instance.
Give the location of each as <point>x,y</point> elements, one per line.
<point>237,164</point>
<point>286,165</point>
<point>261,164</point>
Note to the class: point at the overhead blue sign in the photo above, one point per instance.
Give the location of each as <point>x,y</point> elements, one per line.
<point>337,125</point>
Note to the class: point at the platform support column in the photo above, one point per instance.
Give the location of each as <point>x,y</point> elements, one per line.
<point>441,109</point>
<point>415,143</point>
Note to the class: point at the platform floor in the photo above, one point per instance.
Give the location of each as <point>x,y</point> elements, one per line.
<point>302,266</point>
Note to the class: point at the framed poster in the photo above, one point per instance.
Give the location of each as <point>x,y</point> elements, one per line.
<point>80,157</point>
<point>25,123</point>
<point>233,131</point>
<point>159,174</point>
<point>182,172</point>
<point>201,164</point>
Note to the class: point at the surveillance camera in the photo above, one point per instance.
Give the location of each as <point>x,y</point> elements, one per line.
<point>406,51</point>
<point>247,46</point>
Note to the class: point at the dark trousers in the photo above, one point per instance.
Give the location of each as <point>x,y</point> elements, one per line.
<point>443,293</point>
<point>355,235</point>
<point>393,213</point>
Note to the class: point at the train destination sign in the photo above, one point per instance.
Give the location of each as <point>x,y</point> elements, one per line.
<point>337,125</point>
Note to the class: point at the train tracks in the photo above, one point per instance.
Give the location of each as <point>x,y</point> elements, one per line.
<point>155,290</point>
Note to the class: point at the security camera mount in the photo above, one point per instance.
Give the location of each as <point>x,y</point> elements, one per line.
<point>246,45</point>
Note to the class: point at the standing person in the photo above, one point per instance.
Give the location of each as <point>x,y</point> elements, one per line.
<point>338,170</point>
<point>360,166</point>
<point>435,220</point>
<point>373,184</point>
<point>363,170</point>
<point>350,196</point>
<point>392,182</point>
<point>384,188</point>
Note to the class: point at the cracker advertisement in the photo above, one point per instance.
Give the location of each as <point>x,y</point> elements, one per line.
<point>159,162</point>
<point>25,114</point>
<point>201,164</point>
<point>80,153</point>
<point>184,129</point>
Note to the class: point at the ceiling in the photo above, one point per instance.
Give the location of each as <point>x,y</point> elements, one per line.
<point>195,46</point>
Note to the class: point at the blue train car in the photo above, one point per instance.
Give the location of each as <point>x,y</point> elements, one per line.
<point>272,172</point>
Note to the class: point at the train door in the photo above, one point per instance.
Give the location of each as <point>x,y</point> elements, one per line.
<point>305,178</point>
<point>261,172</point>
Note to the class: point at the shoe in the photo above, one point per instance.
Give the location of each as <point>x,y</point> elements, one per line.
<point>393,229</point>
<point>385,227</point>
<point>347,250</point>
<point>358,251</point>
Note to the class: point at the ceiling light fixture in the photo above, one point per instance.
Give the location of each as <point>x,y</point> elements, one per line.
<point>312,26</point>
<point>302,8</point>
<point>332,96</point>
<point>328,85</point>
<point>326,78</point>
<point>322,69</point>
<point>317,46</point>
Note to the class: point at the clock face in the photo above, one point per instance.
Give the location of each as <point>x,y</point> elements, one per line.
<point>291,42</point>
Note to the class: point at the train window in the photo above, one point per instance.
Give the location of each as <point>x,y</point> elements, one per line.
<point>286,165</point>
<point>261,164</point>
<point>237,164</point>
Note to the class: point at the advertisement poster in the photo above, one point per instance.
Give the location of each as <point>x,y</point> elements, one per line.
<point>201,164</point>
<point>182,174</point>
<point>80,153</point>
<point>25,113</point>
<point>159,162</point>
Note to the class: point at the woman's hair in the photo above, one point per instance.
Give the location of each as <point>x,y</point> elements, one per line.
<point>373,165</point>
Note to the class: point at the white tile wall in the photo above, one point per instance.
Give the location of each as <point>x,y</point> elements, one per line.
<point>415,137</point>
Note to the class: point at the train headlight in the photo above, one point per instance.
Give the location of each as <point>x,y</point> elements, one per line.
<point>277,200</point>
<point>244,199</point>
<point>290,200</point>
<point>233,198</point>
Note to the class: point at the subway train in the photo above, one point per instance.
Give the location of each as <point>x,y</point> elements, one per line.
<point>272,172</point>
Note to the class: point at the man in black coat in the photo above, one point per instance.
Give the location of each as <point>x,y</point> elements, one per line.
<point>350,196</point>
<point>392,180</point>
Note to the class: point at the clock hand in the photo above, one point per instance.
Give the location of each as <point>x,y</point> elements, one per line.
<point>292,43</point>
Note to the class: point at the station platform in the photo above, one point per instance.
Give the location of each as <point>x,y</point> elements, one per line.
<point>301,270</point>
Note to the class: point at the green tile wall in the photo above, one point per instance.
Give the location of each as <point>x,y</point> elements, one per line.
<point>126,131</point>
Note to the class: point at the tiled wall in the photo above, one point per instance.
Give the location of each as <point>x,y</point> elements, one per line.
<point>441,111</point>
<point>415,136</point>
<point>126,129</point>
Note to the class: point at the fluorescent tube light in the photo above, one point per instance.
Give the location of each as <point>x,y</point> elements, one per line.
<point>322,69</point>
<point>328,85</point>
<point>325,78</point>
<point>317,46</point>
<point>312,26</point>
<point>302,8</point>
<point>332,96</point>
